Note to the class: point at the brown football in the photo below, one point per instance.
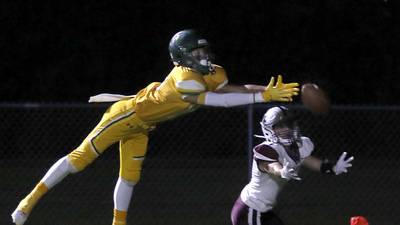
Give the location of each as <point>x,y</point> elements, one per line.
<point>314,99</point>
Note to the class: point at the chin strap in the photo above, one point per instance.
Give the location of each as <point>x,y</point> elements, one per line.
<point>105,97</point>
<point>259,136</point>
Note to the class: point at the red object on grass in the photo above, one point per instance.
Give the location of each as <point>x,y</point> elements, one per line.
<point>358,220</point>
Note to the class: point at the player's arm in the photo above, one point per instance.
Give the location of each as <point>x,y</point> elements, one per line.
<point>267,160</point>
<point>312,163</point>
<point>273,168</point>
<point>277,169</point>
<point>326,166</point>
<point>248,88</point>
<point>273,92</point>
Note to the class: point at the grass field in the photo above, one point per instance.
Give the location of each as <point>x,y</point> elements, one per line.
<point>194,181</point>
<point>170,194</point>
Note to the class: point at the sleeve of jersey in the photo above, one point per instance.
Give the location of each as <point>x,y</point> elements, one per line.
<point>307,147</point>
<point>218,80</point>
<point>190,86</point>
<point>265,153</point>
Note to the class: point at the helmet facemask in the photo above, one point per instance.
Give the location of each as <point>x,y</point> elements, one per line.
<point>287,133</point>
<point>201,60</point>
<point>278,126</point>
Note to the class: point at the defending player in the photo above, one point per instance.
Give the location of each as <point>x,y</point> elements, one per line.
<point>276,161</point>
<point>194,81</point>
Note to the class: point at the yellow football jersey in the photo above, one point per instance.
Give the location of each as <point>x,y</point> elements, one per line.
<point>163,101</point>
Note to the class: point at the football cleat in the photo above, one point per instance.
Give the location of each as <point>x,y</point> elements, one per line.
<point>19,217</point>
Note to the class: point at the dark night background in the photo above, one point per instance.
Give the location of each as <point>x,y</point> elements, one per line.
<point>65,51</point>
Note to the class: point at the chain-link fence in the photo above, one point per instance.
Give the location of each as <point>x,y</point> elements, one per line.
<point>197,165</point>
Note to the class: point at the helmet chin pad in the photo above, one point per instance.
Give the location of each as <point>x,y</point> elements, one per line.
<point>204,62</point>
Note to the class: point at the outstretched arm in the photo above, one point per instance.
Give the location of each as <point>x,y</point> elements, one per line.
<point>313,163</point>
<point>248,88</point>
<point>328,167</point>
<point>273,92</point>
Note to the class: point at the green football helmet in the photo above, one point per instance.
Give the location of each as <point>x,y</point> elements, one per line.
<point>183,51</point>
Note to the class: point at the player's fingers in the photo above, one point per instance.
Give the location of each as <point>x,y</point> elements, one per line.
<point>295,89</point>
<point>271,82</point>
<point>285,95</point>
<point>297,178</point>
<point>343,156</point>
<point>349,165</point>
<point>287,91</point>
<point>291,85</point>
<point>283,99</point>
<point>279,81</point>
<point>285,162</point>
<point>294,175</point>
<point>350,159</point>
<point>292,91</point>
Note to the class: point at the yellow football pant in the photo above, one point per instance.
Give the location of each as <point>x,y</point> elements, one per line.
<point>119,123</point>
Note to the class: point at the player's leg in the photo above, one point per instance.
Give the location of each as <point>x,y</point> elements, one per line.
<point>239,213</point>
<point>111,129</point>
<point>132,153</point>
<point>55,174</point>
<point>270,218</point>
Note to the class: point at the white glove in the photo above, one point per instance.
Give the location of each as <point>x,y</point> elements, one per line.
<point>288,172</point>
<point>342,164</point>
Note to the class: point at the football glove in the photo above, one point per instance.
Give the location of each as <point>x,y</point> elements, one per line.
<point>342,164</point>
<point>280,91</point>
<point>288,172</point>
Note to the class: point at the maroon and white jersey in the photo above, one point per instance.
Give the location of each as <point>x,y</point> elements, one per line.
<point>262,191</point>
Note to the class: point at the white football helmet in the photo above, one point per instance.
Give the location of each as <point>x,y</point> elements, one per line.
<point>279,118</point>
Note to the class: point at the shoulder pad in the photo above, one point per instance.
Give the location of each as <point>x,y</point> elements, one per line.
<point>266,153</point>
<point>186,81</point>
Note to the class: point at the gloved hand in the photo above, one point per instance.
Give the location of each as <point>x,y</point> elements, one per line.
<point>280,91</point>
<point>288,172</point>
<point>342,164</point>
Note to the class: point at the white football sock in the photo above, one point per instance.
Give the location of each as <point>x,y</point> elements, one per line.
<point>58,172</point>
<point>122,194</point>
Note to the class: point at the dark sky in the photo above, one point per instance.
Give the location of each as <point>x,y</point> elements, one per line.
<point>64,52</point>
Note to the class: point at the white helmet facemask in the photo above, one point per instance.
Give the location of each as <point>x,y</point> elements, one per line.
<point>289,132</point>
